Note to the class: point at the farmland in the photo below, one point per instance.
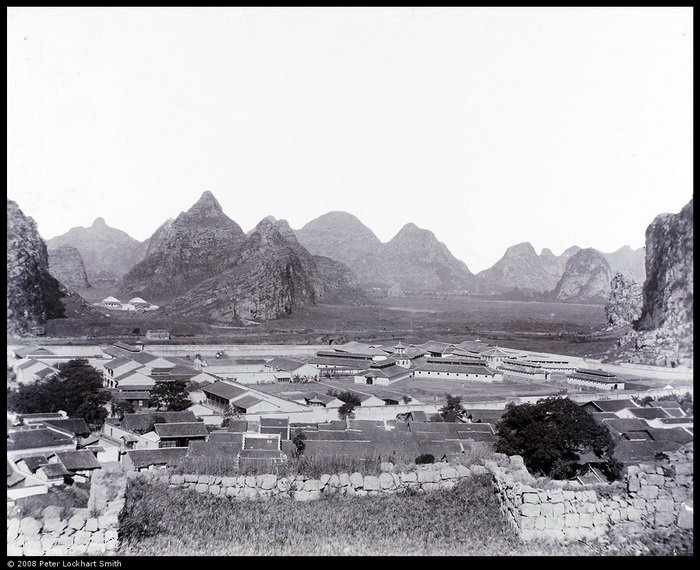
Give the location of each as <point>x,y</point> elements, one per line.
<point>538,326</point>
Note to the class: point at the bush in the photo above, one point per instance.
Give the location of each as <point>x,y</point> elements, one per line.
<point>551,434</point>
<point>425,458</point>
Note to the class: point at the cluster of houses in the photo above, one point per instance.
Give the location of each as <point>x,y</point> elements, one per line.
<point>48,449</point>
<point>243,421</point>
<point>469,360</point>
<point>136,304</point>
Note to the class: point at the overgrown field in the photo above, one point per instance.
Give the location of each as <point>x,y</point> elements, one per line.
<point>464,521</point>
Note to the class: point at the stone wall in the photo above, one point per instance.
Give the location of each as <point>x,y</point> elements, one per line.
<point>92,530</point>
<point>651,497</point>
<point>302,488</point>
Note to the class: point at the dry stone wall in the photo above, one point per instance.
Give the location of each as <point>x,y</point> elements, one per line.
<point>302,488</point>
<point>652,497</point>
<point>91,531</point>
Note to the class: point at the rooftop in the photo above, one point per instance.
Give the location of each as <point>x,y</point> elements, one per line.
<point>164,456</point>
<point>78,460</point>
<point>184,429</point>
<point>224,390</point>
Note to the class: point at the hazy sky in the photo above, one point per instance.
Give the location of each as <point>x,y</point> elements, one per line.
<point>487,126</point>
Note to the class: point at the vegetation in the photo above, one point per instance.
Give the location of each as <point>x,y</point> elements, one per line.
<point>452,411</point>
<point>170,395</point>
<point>299,441</point>
<point>158,520</point>
<point>121,407</point>
<point>351,399</point>
<point>76,389</point>
<point>464,521</point>
<point>425,458</point>
<point>64,496</point>
<point>550,436</point>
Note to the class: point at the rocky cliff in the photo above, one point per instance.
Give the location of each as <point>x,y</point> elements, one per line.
<point>107,253</point>
<point>199,244</point>
<point>33,294</point>
<point>624,305</point>
<point>586,278</point>
<point>271,276</point>
<point>66,265</point>
<point>668,289</point>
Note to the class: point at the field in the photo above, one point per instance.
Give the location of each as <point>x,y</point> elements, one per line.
<point>427,390</point>
<point>547,327</point>
<point>464,521</point>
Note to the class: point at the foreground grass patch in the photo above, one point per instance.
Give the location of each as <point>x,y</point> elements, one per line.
<point>463,521</point>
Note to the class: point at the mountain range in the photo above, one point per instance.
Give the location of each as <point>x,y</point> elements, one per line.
<point>203,264</point>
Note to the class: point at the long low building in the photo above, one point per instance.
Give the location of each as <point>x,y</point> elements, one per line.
<point>597,379</point>
<point>523,369</point>
<point>455,369</point>
<point>383,373</point>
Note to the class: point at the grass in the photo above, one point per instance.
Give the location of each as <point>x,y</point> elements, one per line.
<point>66,497</point>
<point>463,521</point>
<point>310,466</point>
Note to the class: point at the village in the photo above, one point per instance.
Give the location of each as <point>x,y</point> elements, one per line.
<point>246,403</point>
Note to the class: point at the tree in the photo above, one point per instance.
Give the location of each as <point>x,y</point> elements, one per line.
<point>121,407</point>
<point>75,389</point>
<point>550,436</point>
<point>170,395</point>
<point>351,401</point>
<point>299,441</point>
<point>453,410</point>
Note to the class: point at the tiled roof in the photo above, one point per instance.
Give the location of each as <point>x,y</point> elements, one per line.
<point>75,426</point>
<point>323,398</point>
<point>649,413</point>
<point>601,378</point>
<point>36,438</point>
<point>632,452</point>
<point>41,416</point>
<point>131,394</point>
<point>389,372</point>
<point>433,346</point>
<point>455,369</point>
<point>623,426</point>
<point>214,449</point>
<point>237,426</point>
<point>165,456</point>
<point>34,350</point>
<point>225,437</point>
<point>341,362</point>
<point>277,422</point>
<point>185,429</point>
<point>247,402</point>
<point>677,434</point>
<point>143,422</point>
<point>78,460</point>
<point>54,470</point>
<point>34,462</point>
<point>44,372</point>
<point>223,390</point>
<point>610,405</point>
